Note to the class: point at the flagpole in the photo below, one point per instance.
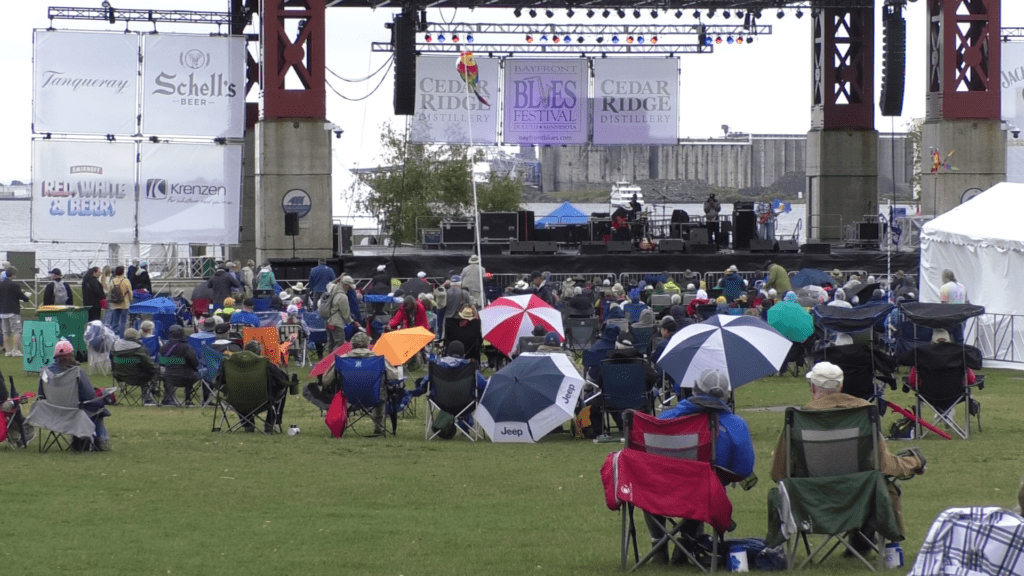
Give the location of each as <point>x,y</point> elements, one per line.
<point>472,180</point>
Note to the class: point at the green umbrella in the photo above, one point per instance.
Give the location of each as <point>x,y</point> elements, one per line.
<point>791,320</point>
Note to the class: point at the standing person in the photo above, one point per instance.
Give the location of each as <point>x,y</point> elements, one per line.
<point>223,285</point>
<point>319,278</point>
<point>132,271</point>
<point>341,313</point>
<point>541,288</point>
<point>141,280</point>
<point>778,278</point>
<point>58,292</point>
<point>119,299</point>
<point>264,282</point>
<point>765,219</point>
<point>246,276</point>
<point>11,298</point>
<point>92,292</point>
<point>471,280</point>
<point>951,291</point>
<point>711,209</point>
<point>105,278</point>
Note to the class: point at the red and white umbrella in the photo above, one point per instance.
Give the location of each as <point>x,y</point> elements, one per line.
<point>510,317</point>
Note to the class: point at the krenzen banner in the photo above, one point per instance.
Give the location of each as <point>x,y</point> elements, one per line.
<point>83,191</point>
<point>193,85</point>
<point>545,101</point>
<point>189,191</point>
<point>456,100</point>
<point>636,101</point>
<point>85,82</point>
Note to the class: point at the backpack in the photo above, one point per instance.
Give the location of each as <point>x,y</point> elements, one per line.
<point>60,293</point>
<point>584,425</point>
<point>323,306</point>
<point>116,295</point>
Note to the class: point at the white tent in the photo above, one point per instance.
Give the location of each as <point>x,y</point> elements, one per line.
<point>982,242</point>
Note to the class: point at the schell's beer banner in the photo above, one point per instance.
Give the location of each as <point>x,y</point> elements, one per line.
<point>457,99</point>
<point>636,101</point>
<point>83,191</point>
<point>85,82</point>
<point>546,101</point>
<point>193,85</point>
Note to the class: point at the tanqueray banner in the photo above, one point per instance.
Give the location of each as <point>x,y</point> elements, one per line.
<point>193,85</point>
<point>457,99</point>
<point>85,83</point>
<point>636,101</point>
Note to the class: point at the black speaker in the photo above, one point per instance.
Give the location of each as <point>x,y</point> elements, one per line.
<point>498,225</point>
<point>744,229</point>
<point>867,231</point>
<point>680,216</point>
<point>701,248</point>
<point>492,249</point>
<point>671,245</point>
<point>759,245</point>
<point>291,224</point>
<point>343,243</point>
<point>593,248</point>
<point>699,235</point>
<point>526,224</point>
<point>894,60</point>
<point>403,42</point>
<point>816,248</point>
<point>545,246</point>
<point>620,246</point>
<point>519,247</point>
<point>789,246</point>
<point>458,232</point>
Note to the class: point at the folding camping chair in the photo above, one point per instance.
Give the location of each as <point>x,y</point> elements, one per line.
<point>298,344</point>
<point>943,390</point>
<point>317,329</point>
<point>579,333</point>
<point>267,337</point>
<point>530,343</point>
<point>466,331</point>
<point>213,360</point>
<point>622,323</point>
<point>834,463</point>
<point>633,310</point>
<point>245,392</point>
<point>152,345</point>
<point>666,470</point>
<point>452,390</point>
<point>200,309</point>
<point>363,380</point>
<point>623,387</point>
<point>660,301</point>
<point>132,380</point>
<point>642,337</point>
<point>60,412</point>
<point>166,362</point>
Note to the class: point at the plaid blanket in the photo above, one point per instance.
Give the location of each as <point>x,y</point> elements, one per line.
<point>973,542</point>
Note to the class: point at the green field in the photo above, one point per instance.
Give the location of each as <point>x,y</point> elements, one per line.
<point>171,497</point>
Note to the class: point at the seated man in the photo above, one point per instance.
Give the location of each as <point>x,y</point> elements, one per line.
<point>859,363</point>
<point>182,369</point>
<point>246,315</point>
<point>605,343</point>
<point>277,380</point>
<point>131,346</point>
<point>64,364</point>
<point>734,449</point>
<point>624,352</point>
<point>454,358</point>
<point>826,381</point>
<point>223,342</point>
<point>942,354</point>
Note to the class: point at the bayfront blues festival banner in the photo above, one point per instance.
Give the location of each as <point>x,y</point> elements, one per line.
<point>457,99</point>
<point>189,191</point>
<point>83,191</point>
<point>193,85</point>
<point>636,101</point>
<point>85,82</point>
<point>545,101</point>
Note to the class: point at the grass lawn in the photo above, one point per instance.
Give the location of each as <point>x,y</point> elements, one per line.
<point>173,498</point>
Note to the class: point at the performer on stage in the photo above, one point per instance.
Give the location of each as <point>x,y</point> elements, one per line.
<point>766,215</point>
<point>711,209</point>
<point>634,208</point>
<point>620,224</point>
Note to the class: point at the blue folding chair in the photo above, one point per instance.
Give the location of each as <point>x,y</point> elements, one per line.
<point>317,328</point>
<point>152,344</point>
<point>623,387</point>
<point>362,380</point>
<point>592,361</point>
<point>642,336</point>
<point>633,310</point>
<point>261,304</point>
<point>212,359</point>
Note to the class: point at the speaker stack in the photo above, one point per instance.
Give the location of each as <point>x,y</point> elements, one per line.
<point>744,225</point>
<point>291,224</point>
<point>894,60</point>
<point>403,42</point>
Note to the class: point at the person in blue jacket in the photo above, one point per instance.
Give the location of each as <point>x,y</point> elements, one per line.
<point>734,450</point>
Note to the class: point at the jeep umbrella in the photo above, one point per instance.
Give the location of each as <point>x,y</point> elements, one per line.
<point>531,396</point>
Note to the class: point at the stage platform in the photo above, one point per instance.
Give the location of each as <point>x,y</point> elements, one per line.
<point>406,262</point>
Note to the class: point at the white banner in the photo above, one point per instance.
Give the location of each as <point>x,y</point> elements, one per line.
<point>83,191</point>
<point>545,101</point>
<point>190,193</point>
<point>452,110</point>
<point>85,82</point>
<point>193,85</point>
<point>1012,84</point>
<point>636,101</point>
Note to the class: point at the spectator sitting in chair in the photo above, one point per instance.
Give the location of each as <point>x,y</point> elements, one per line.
<point>320,394</point>
<point>245,315</point>
<point>146,329</point>
<point>734,449</point>
<point>226,310</point>
<point>937,354</point>
<point>624,352</point>
<point>183,372</point>
<point>278,382</point>
<point>223,343</point>
<point>826,381</point>
<point>454,357</point>
<point>131,346</point>
<point>63,363</point>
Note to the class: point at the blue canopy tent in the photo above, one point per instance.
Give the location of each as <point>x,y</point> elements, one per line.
<point>564,214</point>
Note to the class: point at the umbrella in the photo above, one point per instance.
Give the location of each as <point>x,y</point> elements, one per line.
<point>508,318</point>
<point>322,366</point>
<point>529,397</point>
<point>415,287</point>
<point>400,345</point>
<point>862,292</point>
<point>811,277</point>
<point>744,347</point>
<point>791,320</point>
<point>159,305</point>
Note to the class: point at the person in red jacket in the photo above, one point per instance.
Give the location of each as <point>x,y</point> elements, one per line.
<point>411,313</point>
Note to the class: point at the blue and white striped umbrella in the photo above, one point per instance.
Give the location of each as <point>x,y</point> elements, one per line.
<point>744,347</point>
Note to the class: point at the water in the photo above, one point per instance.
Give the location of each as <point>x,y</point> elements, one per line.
<point>15,218</point>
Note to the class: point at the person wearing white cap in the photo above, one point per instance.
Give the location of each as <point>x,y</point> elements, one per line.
<point>472,280</point>
<point>734,449</point>
<point>826,382</point>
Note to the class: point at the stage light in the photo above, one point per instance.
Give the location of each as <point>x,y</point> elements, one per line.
<point>567,39</point>
<point>529,38</point>
<point>621,13</point>
<point>799,13</point>
<point>679,13</point>
<point>739,39</point>
<point>654,13</point>
<point>570,13</point>
<point>708,41</point>
<point>428,37</point>
<point>696,14</point>
<point>730,40</point>
<point>600,39</point>
<point>556,39</point>
<point>780,14</point>
<point>517,12</point>
<point>615,39</point>
<point>455,37</point>
<point>739,14</point>
<point>544,38</point>
<point>726,14</point>
<point>590,13</point>
<point>440,37</point>
<point>629,39</point>
<point>579,39</point>
<point>750,39</point>
<point>654,39</point>
<point>711,13</point>
<point>636,14</point>
<point>640,39</point>
<point>533,13</point>
<point>757,13</point>
<point>606,13</point>
<point>718,40</point>
<point>469,38</point>
<point>549,13</point>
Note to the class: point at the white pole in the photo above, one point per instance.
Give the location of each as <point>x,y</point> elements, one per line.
<point>472,179</point>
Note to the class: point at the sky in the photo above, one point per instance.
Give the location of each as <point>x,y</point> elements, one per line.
<point>760,88</point>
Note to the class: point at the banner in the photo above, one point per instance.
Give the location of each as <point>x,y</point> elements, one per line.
<point>193,85</point>
<point>636,101</point>
<point>83,191</point>
<point>450,111</point>
<point>189,193</point>
<point>85,82</point>
<point>1012,84</point>
<point>545,101</point>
